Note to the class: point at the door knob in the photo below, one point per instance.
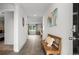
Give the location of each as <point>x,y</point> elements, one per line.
<point>72,38</point>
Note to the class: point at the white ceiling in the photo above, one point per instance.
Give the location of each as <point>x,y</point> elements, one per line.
<point>36,20</point>
<point>38,9</point>
<point>35,8</point>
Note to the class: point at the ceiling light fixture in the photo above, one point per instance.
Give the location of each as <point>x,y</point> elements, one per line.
<point>34,15</point>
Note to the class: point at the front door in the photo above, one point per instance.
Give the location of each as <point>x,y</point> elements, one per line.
<point>75,28</point>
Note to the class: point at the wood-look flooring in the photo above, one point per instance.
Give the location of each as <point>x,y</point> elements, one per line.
<point>31,47</point>
<point>5,49</point>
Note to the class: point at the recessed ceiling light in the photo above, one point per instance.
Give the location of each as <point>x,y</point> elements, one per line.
<point>34,15</point>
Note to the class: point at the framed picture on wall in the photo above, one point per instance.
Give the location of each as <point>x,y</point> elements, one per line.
<point>52,18</point>
<point>23,21</point>
<point>49,21</point>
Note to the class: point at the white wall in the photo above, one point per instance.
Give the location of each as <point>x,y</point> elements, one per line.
<point>20,32</point>
<point>9,26</point>
<point>63,27</point>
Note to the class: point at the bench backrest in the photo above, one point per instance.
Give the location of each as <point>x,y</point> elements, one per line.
<point>57,40</point>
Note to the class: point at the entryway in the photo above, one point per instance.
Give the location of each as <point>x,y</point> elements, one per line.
<point>34,29</point>
<point>32,46</point>
<point>6,32</point>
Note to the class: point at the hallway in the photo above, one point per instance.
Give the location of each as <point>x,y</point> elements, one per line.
<point>53,21</point>
<point>31,47</point>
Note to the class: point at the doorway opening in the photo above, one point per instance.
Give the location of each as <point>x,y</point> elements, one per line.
<point>6,32</point>
<point>34,29</point>
<point>1,29</point>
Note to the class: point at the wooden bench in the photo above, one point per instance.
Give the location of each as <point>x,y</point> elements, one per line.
<point>52,50</point>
